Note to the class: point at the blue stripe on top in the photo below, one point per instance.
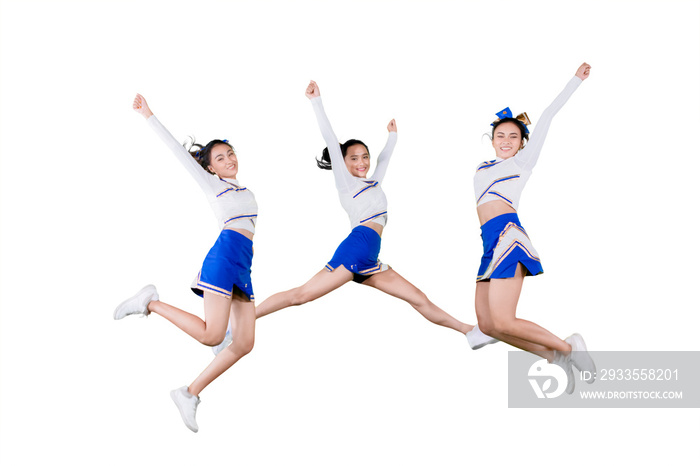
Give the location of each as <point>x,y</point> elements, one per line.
<point>501,196</point>
<point>240,217</point>
<point>488,164</point>
<point>371,184</point>
<point>507,178</point>
<point>373,216</point>
<point>230,189</point>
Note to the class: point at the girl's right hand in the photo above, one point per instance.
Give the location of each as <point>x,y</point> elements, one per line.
<point>312,90</point>
<point>141,107</point>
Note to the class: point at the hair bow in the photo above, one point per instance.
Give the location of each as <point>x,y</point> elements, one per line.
<point>506,113</point>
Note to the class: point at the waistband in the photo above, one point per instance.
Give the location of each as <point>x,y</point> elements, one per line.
<point>497,223</point>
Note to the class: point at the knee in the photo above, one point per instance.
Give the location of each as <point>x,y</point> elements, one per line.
<point>212,338</point>
<point>301,296</point>
<point>498,327</point>
<point>244,345</point>
<point>487,327</point>
<point>419,300</point>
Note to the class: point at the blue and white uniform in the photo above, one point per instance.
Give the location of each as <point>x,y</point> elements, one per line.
<point>505,241</point>
<point>362,198</point>
<point>228,263</point>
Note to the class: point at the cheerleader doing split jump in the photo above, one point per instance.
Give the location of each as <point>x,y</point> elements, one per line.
<point>224,280</point>
<point>508,253</point>
<point>365,203</point>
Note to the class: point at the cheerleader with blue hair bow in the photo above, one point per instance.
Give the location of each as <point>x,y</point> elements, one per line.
<point>509,255</point>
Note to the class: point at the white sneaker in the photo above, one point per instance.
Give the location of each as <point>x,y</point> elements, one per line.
<point>227,341</point>
<point>478,339</point>
<point>137,304</point>
<point>580,357</point>
<point>564,361</point>
<point>187,404</point>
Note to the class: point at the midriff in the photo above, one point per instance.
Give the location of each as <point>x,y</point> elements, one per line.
<point>493,209</point>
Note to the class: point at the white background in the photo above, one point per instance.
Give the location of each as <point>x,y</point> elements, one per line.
<point>93,207</point>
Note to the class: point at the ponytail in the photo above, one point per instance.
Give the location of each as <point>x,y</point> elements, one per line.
<point>202,154</point>
<point>325,162</point>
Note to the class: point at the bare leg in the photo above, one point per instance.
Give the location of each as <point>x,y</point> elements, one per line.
<point>211,330</point>
<point>391,283</point>
<point>243,318</point>
<point>496,303</point>
<point>319,285</point>
<point>483,315</point>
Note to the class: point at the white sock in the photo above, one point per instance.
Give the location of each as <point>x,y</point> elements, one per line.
<point>478,339</point>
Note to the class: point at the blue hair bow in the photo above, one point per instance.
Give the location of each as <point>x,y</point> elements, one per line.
<point>522,118</point>
<point>505,113</point>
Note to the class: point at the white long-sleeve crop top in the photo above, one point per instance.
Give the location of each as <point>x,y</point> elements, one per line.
<point>362,198</point>
<point>233,204</point>
<point>504,179</point>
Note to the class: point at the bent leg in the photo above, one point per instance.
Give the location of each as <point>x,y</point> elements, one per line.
<point>243,317</point>
<point>211,330</point>
<point>483,315</point>
<point>319,285</point>
<point>391,283</point>
<point>501,323</point>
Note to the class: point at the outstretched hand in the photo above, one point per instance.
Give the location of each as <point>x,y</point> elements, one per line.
<point>312,90</point>
<point>391,127</point>
<point>583,71</point>
<point>141,107</point>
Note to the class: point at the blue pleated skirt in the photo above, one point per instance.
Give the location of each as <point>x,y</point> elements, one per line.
<point>359,253</point>
<point>227,266</point>
<point>506,245</point>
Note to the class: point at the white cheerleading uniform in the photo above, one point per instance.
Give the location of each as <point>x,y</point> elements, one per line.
<point>362,198</point>
<point>504,179</point>
<point>227,266</point>
<point>506,244</point>
<point>233,204</point>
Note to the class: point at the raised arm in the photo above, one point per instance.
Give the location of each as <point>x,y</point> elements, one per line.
<point>527,158</point>
<point>343,178</point>
<point>200,175</point>
<point>385,154</point>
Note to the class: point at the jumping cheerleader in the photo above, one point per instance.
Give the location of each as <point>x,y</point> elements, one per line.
<point>508,253</point>
<point>365,203</point>
<point>224,280</point>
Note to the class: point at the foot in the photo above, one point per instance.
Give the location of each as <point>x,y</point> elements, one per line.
<point>187,404</point>
<point>580,357</point>
<point>227,341</point>
<point>564,361</point>
<point>137,304</point>
<point>478,339</point>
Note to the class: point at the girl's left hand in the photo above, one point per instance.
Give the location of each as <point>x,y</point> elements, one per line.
<point>583,71</point>
<point>391,127</point>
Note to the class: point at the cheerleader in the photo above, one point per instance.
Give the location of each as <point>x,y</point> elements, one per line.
<point>224,279</point>
<point>508,253</point>
<point>364,201</point>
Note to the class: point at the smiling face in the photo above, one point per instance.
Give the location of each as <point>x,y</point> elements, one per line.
<point>223,161</point>
<point>507,140</point>
<point>357,160</point>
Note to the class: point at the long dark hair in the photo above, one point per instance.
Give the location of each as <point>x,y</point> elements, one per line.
<point>202,154</point>
<point>325,161</point>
